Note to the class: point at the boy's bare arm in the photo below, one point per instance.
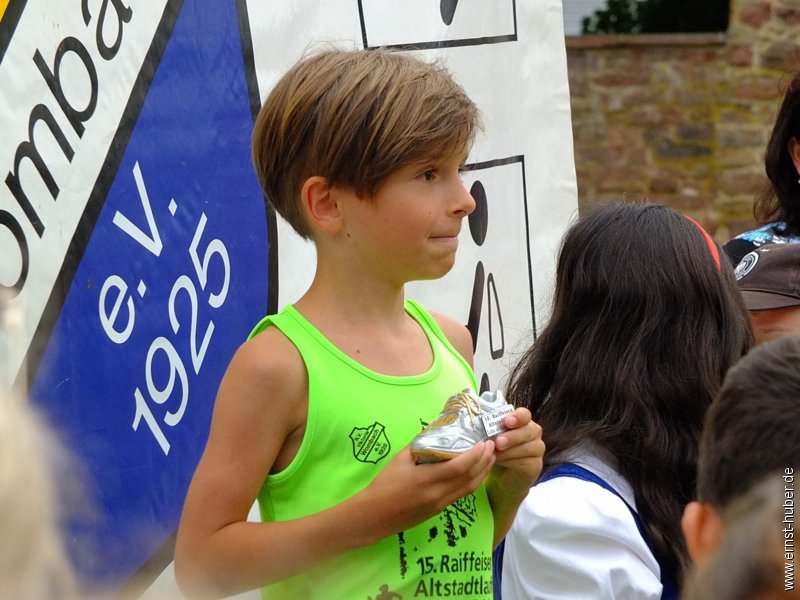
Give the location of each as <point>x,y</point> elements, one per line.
<point>260,409</point>
<point>519,452</point>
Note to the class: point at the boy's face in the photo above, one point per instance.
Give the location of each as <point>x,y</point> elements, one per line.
<point>409,229</point>
<point>775,323</point>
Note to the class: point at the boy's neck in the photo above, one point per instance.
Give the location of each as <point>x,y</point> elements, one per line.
<point>353,302</point>
<point>369,324</point>
<point>345,289</point>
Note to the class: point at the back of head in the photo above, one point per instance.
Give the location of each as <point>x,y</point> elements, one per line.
<point>354,117</point>
<point>643,328</point>
<point>644,324</point>
<point>751,427</point>
<point>749,563</point>
<point>780,200</point>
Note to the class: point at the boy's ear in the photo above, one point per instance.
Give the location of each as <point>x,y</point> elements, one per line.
<point>320,205</point>
<point>702,530</point>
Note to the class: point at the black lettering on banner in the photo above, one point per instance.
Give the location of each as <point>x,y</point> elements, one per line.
<point>124,15</point>
<point>447,8</point>
<point>41,114</point>
<point>7,220</point>
<point>27,149</point>
<point>478,226</point>
<point>53,80</point>
<point>476,31</point>
<point>493,288</point>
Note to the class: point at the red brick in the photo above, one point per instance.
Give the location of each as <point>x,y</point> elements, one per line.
<point>791,16</point>
<point>740,56</point>
<point>755,14</point>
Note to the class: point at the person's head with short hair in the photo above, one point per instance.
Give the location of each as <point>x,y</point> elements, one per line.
<point>750,432</point>
<point>782,162</point>
<point>769,278</point>
<point>749,561</point>
<point>646,320</point>
<point>355,117</point>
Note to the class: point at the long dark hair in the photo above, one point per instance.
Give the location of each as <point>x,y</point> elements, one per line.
<point>781,199</point>
<point>644,327</point>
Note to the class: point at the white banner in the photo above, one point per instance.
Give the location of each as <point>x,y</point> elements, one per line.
<point>136,251</point>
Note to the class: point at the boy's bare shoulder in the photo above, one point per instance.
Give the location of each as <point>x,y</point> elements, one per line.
<point>267,374</point>
<point>456,332</point>
<point>270,356</point>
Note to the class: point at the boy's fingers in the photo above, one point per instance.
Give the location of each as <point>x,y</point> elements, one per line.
<point>474,461</point>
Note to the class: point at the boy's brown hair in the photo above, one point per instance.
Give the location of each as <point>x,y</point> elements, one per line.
<point>750,429</point>
<point>749,562</point>
<point>354,117</point>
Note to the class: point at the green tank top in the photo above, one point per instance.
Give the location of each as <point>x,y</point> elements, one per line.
<point>357,421</point>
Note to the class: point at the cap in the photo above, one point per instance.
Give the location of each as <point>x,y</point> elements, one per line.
<point>769,277</point>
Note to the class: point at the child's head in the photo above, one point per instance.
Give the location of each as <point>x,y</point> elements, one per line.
<point>645,322</point>
<point>750,559</point>
<point>751,428</point>
<point>750,434</point>
<point>641,310</point>
<point>354,117</point>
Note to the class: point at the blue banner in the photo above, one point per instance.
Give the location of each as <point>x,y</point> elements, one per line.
<point>173,275</point>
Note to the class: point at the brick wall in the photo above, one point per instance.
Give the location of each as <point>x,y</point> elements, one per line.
<point>683,119</point>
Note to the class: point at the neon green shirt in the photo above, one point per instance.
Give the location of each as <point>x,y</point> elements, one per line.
<point>357,421</point>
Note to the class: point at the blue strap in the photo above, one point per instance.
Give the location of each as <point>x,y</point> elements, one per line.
<point>669,590</point>
<point>497,568</point>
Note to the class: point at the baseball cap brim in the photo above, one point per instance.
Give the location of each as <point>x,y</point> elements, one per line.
<point>756,300</point>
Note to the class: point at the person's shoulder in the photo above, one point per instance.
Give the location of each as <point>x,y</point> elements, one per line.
<point>580,506</point>
<point>744,243</point>
<point>266,376</point>
<point>269,358</point>
<point>455,332</point>
<point>585,541</point>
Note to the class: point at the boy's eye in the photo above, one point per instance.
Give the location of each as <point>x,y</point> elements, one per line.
<point>428,175</point>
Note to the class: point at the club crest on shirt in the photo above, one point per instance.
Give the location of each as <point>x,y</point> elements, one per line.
<point>370,444</point>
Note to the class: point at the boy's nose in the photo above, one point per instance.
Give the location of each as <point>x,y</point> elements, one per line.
<point>465,203</point>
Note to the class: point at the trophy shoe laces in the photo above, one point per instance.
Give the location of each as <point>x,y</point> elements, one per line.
<point>465,420</point>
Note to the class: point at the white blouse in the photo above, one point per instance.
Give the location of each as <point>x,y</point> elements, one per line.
<point>573,540</point>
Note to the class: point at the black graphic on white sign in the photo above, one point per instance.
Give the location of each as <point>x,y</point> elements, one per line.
<point>416,24</point>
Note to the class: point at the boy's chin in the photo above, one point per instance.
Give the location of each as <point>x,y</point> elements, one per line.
<point>434,274</point>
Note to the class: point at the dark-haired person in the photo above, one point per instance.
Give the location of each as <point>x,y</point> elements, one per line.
<point>646,320</point>
<point>778,208</point>
<point>750,433</point>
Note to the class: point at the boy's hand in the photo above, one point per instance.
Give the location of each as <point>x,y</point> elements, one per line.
<point>519,453</point>
<point>404,493</point>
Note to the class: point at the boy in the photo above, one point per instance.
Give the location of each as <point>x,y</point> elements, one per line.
<point>360,151</point>
<point>752,562</point>
<point>750,433</point>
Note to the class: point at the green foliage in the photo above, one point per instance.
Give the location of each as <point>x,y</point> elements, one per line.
<point>659,16</point>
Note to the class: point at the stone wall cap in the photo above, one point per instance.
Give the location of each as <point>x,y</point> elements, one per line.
<point>617,40</point>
